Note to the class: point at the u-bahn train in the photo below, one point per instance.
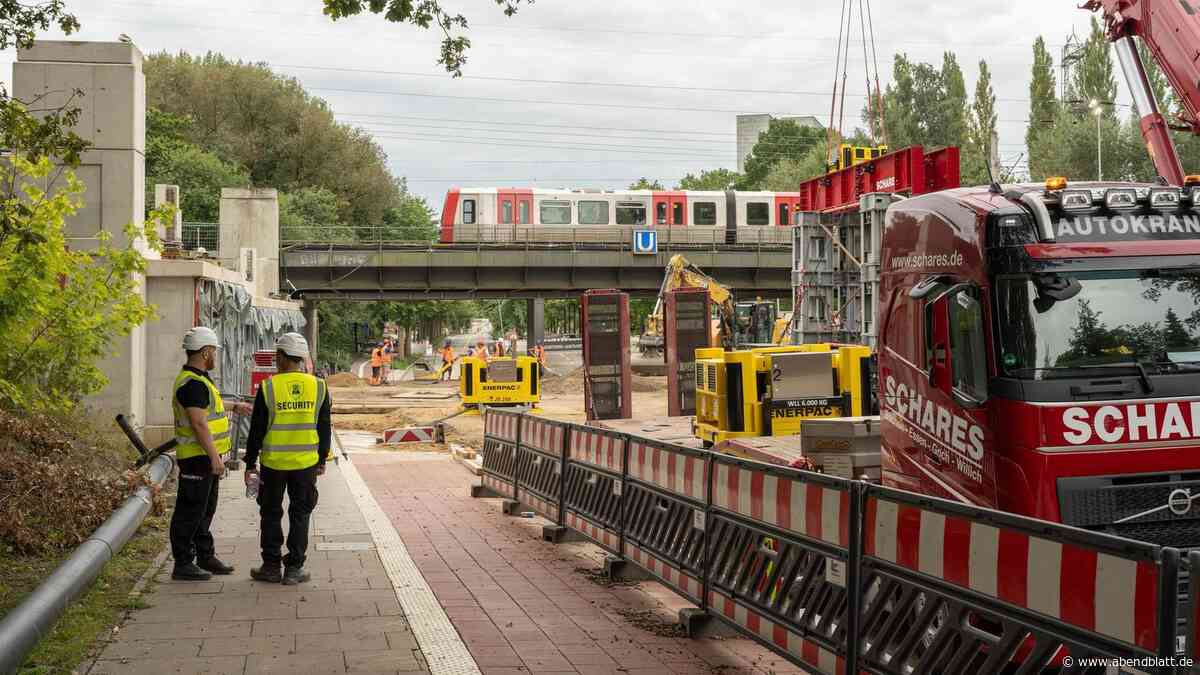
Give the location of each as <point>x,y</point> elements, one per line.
<point>486,215</point>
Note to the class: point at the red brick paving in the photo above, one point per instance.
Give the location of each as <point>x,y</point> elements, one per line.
<point>517,602</point>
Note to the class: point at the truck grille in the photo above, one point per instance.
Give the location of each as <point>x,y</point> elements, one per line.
<point>1097,503</point>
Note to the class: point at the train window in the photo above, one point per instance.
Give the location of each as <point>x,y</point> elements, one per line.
<point>784,218</point>
<point>758,213</point>
<point>593,213</point>
<point>677,216</point>
<point>660,213</point>
<point>468,211</point>
<point>523,212</point>
<point>555,213</point>
<point>704,213</point>
<point>506,211</point>
<point>631,213</point>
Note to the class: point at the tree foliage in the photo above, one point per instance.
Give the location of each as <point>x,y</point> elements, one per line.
<point>783,139</point>
<point>710,179</point>
<point>422,14</point>
<point>981,125</point>
<point>644,183</point>
<point>20,22</point>
<point>173,160</point>
<point>1094,79</point>
<point>1043,104</point>
<point>925,105</point>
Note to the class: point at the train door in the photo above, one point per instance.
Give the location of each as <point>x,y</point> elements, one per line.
<point>670,209</point>
<point>514,209</point>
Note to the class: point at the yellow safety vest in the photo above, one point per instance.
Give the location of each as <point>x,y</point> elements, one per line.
<point>218,423</point>
<point>293,402</point>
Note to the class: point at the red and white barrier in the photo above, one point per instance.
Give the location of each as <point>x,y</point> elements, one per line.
<point>598,449</point>
<point>543,435</point>
<point>1095,591</point>
<point>675,471</point>
<point>498,485</point>
<point>543,508</point>
<point>672,575</point>
<point>501,425</point>
<point>767,630</point>
<point>601,535</point>
<point>421,434</point>
<point>808,509</point>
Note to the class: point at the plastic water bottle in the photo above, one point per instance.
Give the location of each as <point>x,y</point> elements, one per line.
<point>252,485</point>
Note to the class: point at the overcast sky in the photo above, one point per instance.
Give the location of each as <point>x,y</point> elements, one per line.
<point>595,94</point>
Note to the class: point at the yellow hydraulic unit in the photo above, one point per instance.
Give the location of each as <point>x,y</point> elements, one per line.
<point>852,155</point>
<point>499,382</point>
<point>767,391</point>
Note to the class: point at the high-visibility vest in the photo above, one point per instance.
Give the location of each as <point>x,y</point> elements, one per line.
<point>293,402</point>
<point>376,357</point>
<point>218,423</point>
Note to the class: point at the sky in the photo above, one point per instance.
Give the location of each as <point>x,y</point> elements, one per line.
<point>569,93</point>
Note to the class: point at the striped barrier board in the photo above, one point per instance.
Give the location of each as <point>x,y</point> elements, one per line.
<point>544,435</point>
<point>501,425</point>
<point>1114,595</point>
<point>420,434</point>
<point>601,536</point>
<point>686,584</point>
<point>810,508</point>
<point>544,508</point>
<point>600,448</point>
<point>683,471</point>
<point>775,635</point>
<point>497,485</point>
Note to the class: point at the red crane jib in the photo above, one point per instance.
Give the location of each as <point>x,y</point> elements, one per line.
<point>909,171</point>
<point>1171,31</point>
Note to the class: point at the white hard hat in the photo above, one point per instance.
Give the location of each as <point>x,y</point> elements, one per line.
<point>200,337</point>
<point>292,344</point>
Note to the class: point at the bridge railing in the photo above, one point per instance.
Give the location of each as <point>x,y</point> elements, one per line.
<point>843,576</point>
<point>578,237</point>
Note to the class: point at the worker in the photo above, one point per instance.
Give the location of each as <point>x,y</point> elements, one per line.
<point>539,352</point>
<point>376,363</point>
<point>291,430</point>
<point>479,351</point>
<point>202,433</point>
<point>447,360</point>
<point>388,348</point>
<point>498,349</point>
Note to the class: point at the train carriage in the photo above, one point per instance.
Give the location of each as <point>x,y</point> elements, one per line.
<point>498,215</point>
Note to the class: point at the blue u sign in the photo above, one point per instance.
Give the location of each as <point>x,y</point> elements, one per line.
<point>645,242</point>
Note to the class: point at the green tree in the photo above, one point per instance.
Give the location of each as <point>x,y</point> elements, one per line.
<point>925,105</point>
<point>200,176</point>
<point>1043,105</point>
<point>1068,147</point>
<point>1175,335</point>
<point>783,139</point>
<point>953,124</point>
<point>412,220</point>
<point>982,127</point>
<point>900,118</point>
<point>311,214</point>
<point>710,179</point>
<point>644,183</point>
<point>20,22</point>
<point>422,14</point>
<point>1094,79</point>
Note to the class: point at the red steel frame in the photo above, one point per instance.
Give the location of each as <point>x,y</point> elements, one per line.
<point>909,171</point>
<point>618,354</point>
<point>681,349</point>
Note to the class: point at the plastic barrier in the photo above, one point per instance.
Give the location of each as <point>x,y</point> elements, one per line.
<point>842,576</point>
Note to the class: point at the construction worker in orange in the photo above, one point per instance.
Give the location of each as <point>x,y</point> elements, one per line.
<point>376,363</point>
<point>499,349</point>
<point>479,351</point>
<point>539,352</point>
<point>388,350</point>
<point>447,360</point>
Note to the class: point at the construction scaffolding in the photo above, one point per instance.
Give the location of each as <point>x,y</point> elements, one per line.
<point>835,273</point>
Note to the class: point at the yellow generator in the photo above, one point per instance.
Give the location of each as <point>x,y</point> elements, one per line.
<point>499,382</point>
<point>767,391</point>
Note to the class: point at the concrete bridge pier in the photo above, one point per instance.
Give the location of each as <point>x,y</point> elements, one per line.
<point>535,318</point>
<point>311,328</point>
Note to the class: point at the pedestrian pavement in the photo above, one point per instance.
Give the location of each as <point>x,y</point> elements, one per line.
<point>346,619</point>
<point>522,605</point>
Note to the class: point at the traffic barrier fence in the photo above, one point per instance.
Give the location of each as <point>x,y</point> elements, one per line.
<point>843,576</point>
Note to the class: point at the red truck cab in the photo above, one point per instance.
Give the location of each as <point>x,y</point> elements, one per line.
<point>1039,353</point>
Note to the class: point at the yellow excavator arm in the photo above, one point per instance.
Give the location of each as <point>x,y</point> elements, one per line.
<point>680,274</point>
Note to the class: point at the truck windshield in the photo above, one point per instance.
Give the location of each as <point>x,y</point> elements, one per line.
<point>1140,316</point>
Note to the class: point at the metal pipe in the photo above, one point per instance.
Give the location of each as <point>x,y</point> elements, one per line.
<point>1154,126</point>
<point>29,622</point>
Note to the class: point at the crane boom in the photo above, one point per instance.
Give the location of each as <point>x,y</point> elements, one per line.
<point>1171,31</point>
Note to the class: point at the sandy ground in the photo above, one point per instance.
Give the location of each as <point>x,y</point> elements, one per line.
<point>562,399</point>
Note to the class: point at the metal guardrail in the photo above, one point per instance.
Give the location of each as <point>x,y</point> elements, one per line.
<point>842,576</point>
<point>201,235</point>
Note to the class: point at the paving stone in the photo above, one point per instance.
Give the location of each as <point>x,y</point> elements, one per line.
<point>328,642</point>
<point>183,629</point>
<point>247,644</point>
<point>388,660</point>
<point>293,664</point>
<point>225,665</point>
<point>295,626</point>
<point>149,649</point>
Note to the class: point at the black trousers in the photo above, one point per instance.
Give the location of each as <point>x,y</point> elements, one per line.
<point>301,488</point>
<point>195,504</point>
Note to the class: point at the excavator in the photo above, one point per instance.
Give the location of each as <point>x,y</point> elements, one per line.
<point>737,323</point>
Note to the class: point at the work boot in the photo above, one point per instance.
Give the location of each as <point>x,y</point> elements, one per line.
<point>268,573</point>
<point>295,575</point>
<point>214,565</point>
<point>189,572</point>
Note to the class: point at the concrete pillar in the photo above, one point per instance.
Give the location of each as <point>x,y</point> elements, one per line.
<point>250,220</point>
<point>113,118</point>
<point>535,317</point>
<point>312,328</point>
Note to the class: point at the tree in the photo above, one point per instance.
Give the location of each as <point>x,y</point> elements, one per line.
<point>783,139</point>
<point>20,23</point>
<point>981,128</point>
<point>1090,338</point>
<point>710,179</point>
<point>644,183</point>
<point>1068,147</point>
<point>952,124</point>
<point>412,220</point>
<point>926,105</point>
<point>1043,105</point>
<point>1175,336</point>
<point>899,113</point>
<point>311,214</point>
<point>1094,79</point>
<point>172,160</point>
<point>422,14</point>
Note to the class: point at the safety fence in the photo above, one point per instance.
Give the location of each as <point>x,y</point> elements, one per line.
<point>842,576</point>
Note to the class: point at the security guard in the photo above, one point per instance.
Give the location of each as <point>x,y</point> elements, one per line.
<point>202,433</point>
<point>291,429</point>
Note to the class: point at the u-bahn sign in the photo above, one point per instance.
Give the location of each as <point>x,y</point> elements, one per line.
<point>645,242</point>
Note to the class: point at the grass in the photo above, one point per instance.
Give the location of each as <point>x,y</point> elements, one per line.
<point>81,629</point>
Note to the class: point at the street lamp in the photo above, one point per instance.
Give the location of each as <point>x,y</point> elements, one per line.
<point>1099,166</point>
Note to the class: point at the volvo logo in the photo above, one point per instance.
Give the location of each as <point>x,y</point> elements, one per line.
<point>1180,501</point>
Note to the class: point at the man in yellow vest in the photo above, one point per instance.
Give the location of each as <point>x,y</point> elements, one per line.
<point>291,429</point>
<point>202,433</point>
